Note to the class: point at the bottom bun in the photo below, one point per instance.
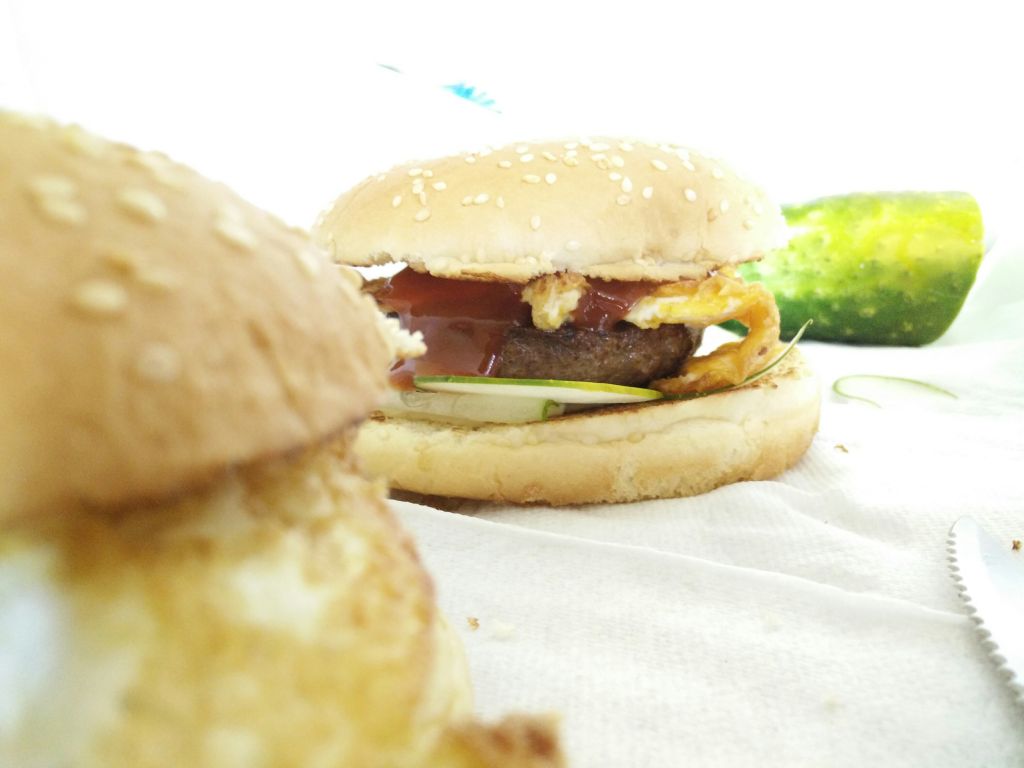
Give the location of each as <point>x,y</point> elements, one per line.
<point>614,454</point>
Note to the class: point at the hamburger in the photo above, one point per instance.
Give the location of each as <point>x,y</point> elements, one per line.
<point>193,570</point>
<point>561,290</point>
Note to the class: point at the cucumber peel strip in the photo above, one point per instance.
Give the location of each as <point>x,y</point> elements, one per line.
<point>837,386</point>
<point>752,377</point>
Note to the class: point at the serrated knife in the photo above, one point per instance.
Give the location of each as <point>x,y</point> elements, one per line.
<point>990,577</point>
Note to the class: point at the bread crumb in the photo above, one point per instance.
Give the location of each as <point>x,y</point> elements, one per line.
<point>1015,545</point>
<point>474,622</point>
<point>841,447</point>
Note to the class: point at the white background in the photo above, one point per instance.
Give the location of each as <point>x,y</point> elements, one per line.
<point>286,101</point>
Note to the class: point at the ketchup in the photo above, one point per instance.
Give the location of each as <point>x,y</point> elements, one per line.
<point>464,322</point>
<point>608,302</point>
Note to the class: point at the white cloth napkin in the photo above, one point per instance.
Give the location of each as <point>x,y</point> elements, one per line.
<point>807,620</point>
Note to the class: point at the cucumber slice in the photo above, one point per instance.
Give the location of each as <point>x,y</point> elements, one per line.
<point>875,268</point>
<point>575,392</point>
<point>449,407</point>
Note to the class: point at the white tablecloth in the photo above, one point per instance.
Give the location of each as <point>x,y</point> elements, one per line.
<point>807,620</point>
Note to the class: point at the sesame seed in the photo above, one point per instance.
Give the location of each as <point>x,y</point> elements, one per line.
<point>504,163</point>
<point>572,245</point>
<point>572,161</point>
<point>81,142</point>
<point>625,146</point>
<point>159,363</point>
<point>716,173</point>
<point>599,147</point>
<point>615,176</point>
<point>381,177</point>
<point>417,186</point>
<point>481,199</point>
<point>422,214</point>
<point>422,197</point>
<point>142,204</point>
<point>485,152</point>
<point>54,196</point>
<point>467,200</point>
<point>627,185</point>
<point>598,157</point>
<point>689,194</point>
<point>535,223</point>
<point>648,193</point>
<point>758,208</point>
<point>415,171</point>
<point>748,223</point>
<point>527,158</point>
<point>712,214</point>
<point>550,178</point>
<point>522,149</point>
<point>571,145</point>
<point>396,201</point>
<point>531,178</point>
<point>99,297</point>
<point>470,159</point>
<point>234,233</point>
<point>62,211</point>
<point>623,199</point>
<point>550,156</point>
<point>500,202</point>
<point>159,278</point>
<point>724,206</point>
<point>660,165</point>
<point>440,186</point>
<point>53,186</point>
<point>617,161</point>
<point>428,174</point>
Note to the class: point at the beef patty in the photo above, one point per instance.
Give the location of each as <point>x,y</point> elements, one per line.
<point>624,355</point>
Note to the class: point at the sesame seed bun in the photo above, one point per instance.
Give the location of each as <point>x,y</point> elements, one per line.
<point>194,572</point>
<point>604,208</point>
<point>612,454</point>
<point>158,329</point>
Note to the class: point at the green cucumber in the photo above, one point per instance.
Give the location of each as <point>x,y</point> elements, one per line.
<point>448,406</point>
<point>888,268</point>
<point>575,392</point>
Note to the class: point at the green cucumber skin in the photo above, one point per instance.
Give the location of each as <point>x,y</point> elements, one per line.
<point>890,268</point>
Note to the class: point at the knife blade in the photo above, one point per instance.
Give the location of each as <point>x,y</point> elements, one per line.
<point>990,578</point>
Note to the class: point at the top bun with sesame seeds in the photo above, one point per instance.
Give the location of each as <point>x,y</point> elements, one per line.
<point>603,208</point>
<point>157,329</point>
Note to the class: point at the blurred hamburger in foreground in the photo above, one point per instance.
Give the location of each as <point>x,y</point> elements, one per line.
<point>193,572</point>
<point>561,290</point>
